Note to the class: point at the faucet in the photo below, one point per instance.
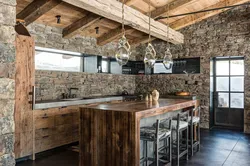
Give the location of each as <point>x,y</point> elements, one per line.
<point>70,92</point>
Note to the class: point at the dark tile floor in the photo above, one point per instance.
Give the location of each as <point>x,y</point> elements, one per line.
<point>219,148</point>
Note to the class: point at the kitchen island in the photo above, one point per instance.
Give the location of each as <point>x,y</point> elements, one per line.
<point>110,133</point>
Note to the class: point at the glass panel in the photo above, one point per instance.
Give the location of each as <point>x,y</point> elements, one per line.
<point>237,84</point>
<point>57,61</point>
<point>211,68</point>
<point>223,99</point>
<point>115,68</point>
<point>222,67</point>
<point>237,100</point>
<point>211,84</point>
<point>237,67</point>
<point>105,66</point>
<point>222,84</point>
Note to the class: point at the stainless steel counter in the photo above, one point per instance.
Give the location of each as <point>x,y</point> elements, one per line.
<point>69,102</point>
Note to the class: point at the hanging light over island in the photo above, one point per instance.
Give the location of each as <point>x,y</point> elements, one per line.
<point>150,55</point>
<point>123,52</point>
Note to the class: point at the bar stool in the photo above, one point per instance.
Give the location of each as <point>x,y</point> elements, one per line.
<point>156,134</point>
<point>194,124</point>
<point>180,126</point>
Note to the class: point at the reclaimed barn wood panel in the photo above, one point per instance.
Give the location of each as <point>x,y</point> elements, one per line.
<point>107,138</point>
<point>25,51</point>
<point>110,133</point>
<point>55,127</point>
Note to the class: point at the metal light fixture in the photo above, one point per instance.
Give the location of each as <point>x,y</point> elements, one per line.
<point>150,55</point>
<point>123,51</point>
<point>168,58</point>
<point>58,19</point>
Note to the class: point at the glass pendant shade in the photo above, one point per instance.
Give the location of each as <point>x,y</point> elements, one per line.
<point>168,60</point>
<point>123,51</point>
<point>149,59</point>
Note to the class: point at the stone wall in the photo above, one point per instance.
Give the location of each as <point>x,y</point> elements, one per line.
<point>7,81</point>
<point>226,34</point>
<point>51,37</point>
<point>51,84</point>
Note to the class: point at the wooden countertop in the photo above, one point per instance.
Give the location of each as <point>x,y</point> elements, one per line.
<point>161,106</point>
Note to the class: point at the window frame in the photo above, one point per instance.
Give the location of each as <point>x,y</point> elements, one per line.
<point>57,51</point>
<point>215,76</point>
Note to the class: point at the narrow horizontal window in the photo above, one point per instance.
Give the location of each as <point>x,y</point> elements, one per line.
<point>50,59</point>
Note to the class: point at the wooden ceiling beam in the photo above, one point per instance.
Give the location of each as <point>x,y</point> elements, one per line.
<point>191,19</point>
<point>113,10</point>
<point>111,36</point>
<point>116,33</point>
<point>130,2</point>
<point>36,9</point>
<point>142,40</point>
<point>171,7</point>
<point>82,23</point>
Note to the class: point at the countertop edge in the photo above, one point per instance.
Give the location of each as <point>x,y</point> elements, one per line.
<point>40,106</point>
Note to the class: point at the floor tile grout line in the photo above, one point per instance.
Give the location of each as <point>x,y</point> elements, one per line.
<point>231,151</point>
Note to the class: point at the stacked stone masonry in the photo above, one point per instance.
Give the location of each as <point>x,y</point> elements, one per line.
<point>7,81</point>
<point>51,84</point>
<point>226,34</point>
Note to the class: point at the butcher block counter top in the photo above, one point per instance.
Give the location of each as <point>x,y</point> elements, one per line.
<point>110,133</point>
<point>146,108</point>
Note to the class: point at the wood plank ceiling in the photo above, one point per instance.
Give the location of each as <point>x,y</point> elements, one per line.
<point>77,21</point>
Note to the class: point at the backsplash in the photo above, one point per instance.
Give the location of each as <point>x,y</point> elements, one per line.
<point>51,84</point>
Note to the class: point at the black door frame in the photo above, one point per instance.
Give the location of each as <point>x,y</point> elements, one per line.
<point>213,93</point>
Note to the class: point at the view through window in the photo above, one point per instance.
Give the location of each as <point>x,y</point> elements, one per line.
<point>50,59</point>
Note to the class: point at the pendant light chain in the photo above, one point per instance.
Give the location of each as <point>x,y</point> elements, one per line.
<point>149,17</point>
<point>123,29</point>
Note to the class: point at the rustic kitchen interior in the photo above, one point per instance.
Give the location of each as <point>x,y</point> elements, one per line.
<point>124,82</point>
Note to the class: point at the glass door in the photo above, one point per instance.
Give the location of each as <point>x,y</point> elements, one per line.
<point>228,88</point>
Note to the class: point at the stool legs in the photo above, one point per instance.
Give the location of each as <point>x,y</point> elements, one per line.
<point>199,136</point>
<point>194,127</point>
<point>157,152</point>
<point>178,147</point>
<point>170,149</point>
<point>192,139</point>
<point>187,143</point>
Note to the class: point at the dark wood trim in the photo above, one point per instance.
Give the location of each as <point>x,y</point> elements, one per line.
<point>36,9</point>
<point>82,23</point>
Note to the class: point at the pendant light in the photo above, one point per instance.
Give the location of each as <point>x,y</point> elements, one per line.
<point>168,58</point>
<point>150,55</point>
<point>123,51</point>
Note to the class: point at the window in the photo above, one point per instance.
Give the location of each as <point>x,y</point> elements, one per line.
<point>51,59</point>
<point>230,82</point>
<point>105,65</point>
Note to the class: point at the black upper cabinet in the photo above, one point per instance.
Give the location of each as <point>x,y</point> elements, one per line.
<point>187,65</point>
<point>99,64</point>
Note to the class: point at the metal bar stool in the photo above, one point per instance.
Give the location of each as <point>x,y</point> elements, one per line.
<point>180,144</point>
<point>194,123</point>
<point>156,134</point>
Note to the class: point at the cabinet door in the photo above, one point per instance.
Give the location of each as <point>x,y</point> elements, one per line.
<point>44,121</point>
<point>63,119</point>
<point>45,143</point>
<point>44,132</point>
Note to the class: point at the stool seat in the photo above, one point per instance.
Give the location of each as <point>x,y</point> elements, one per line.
<point>149,132</point>
<point>183,124</point>
<point>196,119</point>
